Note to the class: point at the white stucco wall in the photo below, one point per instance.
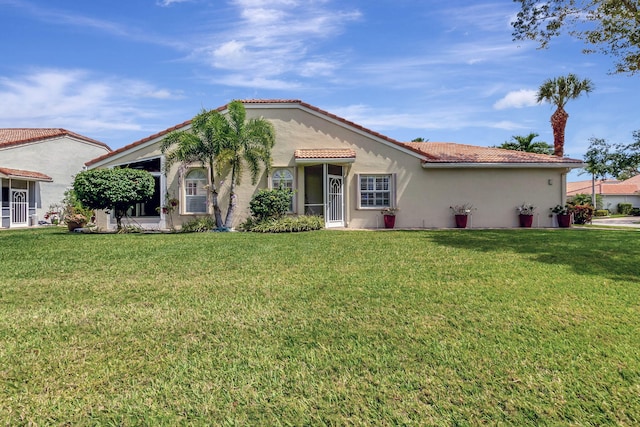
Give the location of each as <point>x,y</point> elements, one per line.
<point>60,158</point>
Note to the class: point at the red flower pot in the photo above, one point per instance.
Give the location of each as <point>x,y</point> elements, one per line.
<point>526,221</point>
<point>461,221</point>
<point>564,221</point>
<point>389,221</point>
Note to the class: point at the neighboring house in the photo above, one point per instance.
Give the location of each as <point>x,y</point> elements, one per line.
<point>613,192</point>
<point>347,174</point>
<point>36,168</point>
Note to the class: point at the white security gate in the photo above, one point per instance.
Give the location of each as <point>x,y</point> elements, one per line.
<point>19,207</point>
<point>335,201</point>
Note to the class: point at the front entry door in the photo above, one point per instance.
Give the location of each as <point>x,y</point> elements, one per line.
<point>335,201</point>
<point>19,207</point>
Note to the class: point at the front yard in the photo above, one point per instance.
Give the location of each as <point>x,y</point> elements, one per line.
<point>330,327</point>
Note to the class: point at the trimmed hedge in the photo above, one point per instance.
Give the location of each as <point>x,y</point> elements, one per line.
<point>624,208</point>
<point>601,212</point>
<point>288,224</point>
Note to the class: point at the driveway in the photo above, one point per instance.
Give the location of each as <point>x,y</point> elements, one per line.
<point>627,221</point>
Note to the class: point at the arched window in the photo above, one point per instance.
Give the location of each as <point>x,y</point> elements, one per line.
<point>195,195</point>
<point>283,178</point>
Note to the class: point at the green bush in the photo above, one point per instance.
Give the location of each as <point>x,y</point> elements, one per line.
<point>601,212</point>
<point>288,224</point>
<point>624,208</point>
<point>585,199</point>
<point>635,211</point>
<point>270,203</point>
<point>199,225</point>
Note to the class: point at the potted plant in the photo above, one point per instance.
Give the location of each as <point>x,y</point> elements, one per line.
<point>389,216</point>
<point>563,213</point>
<point>461,214</point>
<point>75,220</point>
<point>525,214</point>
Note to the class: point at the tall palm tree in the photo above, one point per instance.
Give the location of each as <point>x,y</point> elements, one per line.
<point>525,143</point>
<point>559,91</point>
<point>199,144</point>
<point>246,144</point>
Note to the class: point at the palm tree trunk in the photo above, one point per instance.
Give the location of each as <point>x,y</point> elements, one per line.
<point>228,222</point>
<point>558,124</point>
<point>217,213</point>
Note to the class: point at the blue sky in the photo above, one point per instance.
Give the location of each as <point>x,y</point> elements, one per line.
<point>447,71</point>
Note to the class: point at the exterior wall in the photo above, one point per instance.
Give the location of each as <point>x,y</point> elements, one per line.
<point>423,196</point>
<point>611,202</point>
<point>59,158</point>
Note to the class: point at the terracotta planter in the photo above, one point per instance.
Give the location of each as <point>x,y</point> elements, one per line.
<point>526,221</point>
<point>461,221</point>
<point>71,225</point>
<point>389,221</point>
<point>564,221</point>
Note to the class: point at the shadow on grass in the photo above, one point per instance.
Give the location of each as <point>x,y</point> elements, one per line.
<point>609,253</point>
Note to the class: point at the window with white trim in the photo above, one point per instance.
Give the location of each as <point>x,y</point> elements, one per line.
<point>375,191</point>
<point>283,178</point>
<point>195,195</point>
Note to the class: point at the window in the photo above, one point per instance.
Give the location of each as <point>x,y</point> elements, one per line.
<point>376,191</point>
<point>195,196</point>
<point>283,178</point>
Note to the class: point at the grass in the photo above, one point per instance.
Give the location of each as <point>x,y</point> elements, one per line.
<point>454,327</point>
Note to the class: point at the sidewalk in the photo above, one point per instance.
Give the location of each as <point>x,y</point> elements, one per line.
<point>627,221</point>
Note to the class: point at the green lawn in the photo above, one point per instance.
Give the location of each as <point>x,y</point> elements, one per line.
<point>455,327</point>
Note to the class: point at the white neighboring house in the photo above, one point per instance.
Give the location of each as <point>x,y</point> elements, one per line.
<point>613,192</point>
<point>36,168</point>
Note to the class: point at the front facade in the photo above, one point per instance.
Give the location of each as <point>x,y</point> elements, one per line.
<point>36,168</point>
<point>347,174</point>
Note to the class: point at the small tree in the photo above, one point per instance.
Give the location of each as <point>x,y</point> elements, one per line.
<point>115,189</point>
<point>526,143</point>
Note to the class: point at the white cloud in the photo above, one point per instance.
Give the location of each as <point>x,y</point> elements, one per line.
<point>77,100</point>
<point>166,3</point>
<point>517,99</point>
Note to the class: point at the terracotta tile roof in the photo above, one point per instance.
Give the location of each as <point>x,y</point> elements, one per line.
<point>431,152</point>
<point>18,173</point>
<point>325,153</point>
<point>17,136</point>
<point>448,152</point>
<point>606,187</point>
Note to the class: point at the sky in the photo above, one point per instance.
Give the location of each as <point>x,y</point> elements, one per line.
<point>445,71</point>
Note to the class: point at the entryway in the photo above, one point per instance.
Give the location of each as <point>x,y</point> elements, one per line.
<point>324,193</point>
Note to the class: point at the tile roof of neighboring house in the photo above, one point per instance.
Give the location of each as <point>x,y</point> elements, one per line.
<point>432,152</point>
<point>448,152</point>
<point>328,153</point>
<point>16,136</point>
<point>606,187</point>
<point>19,173</point>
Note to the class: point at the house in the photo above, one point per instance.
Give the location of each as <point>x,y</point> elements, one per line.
<point>347,174</point>
<point>36,168</point>
<point>612,192</point>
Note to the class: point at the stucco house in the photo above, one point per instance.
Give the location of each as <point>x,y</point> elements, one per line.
<point>36,168</point>
<point>612,191</point>
<point>347,174</point>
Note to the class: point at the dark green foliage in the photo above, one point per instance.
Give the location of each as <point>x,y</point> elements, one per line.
<point>624,208</point>
<point>116,189</point>
<point>585,199</point>
<point>525,143</point>
<point>287,224</point>
<point>635,211</point>
<point>620,161</point>
<point>582,214</point>
<point>199,225</point>
<point>601,212</point>
<point>270,203</point>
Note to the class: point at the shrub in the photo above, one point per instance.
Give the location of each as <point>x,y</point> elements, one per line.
<point>601,212</point>
<point>635,211</point>
<point>585,199</point>
<point>582,214</point>
<point>199,225</point>
<point>624,208</point>
<point>270,203</point>
<point>288,224</point>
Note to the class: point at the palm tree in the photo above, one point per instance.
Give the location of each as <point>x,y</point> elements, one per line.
<point>246,143</point>
<point>559,91</point>
<point>199,144</point>
<point>525,143</point>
